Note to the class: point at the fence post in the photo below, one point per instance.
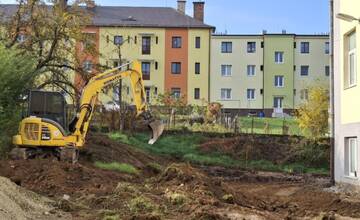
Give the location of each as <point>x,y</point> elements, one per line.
<point>236,125</point>
<point>252,125</point>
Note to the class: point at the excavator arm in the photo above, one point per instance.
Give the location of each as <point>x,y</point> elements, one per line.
<point>38,135</point>
<point>107,78</point>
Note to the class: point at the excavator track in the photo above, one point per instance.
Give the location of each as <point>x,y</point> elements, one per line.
<point>66,154</point>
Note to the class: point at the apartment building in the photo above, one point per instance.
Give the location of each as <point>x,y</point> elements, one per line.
<point>174,48</point>
<point>268,73</point>
<point>346,91</point>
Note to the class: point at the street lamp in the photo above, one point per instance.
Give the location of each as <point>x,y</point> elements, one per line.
<point>347,17</point>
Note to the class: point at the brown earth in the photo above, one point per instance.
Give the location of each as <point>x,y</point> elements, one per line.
<point>278,149</point>
<point>177,191</point>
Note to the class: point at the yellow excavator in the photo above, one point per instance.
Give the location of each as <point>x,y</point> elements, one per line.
<point>42,131</point>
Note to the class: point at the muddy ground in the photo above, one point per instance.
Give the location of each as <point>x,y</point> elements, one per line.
<point>174,190</point>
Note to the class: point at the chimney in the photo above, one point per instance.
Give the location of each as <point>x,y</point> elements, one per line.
<point>90,4</point>
<point>283,31</point>
<point>264,32</point>
<point>199,10</point>
<point>181,5</point>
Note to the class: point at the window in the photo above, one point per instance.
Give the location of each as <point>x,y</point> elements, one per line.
<point>146,45</point>
<point>279,57</point>
<point>175,67</point>
<point>352,65</point>
<point>89,41</point>
<point>305,47</point>
<point>226,47</point>
<point>251,70</point>
<point>225,94</point>
<point>118,40</point>
<point>116,64</point>
<point>147,94</point>
<point>351,156</point>
<point>156,65</point>
<point>176,93</point>
<point>21,38</point>
<point>304,70</point>
<point>197,93</point>
<point>226,70</point>
<point>278,102</point>
<point>176,42</point>
<point>87,66</point>
<point>251,47</point>
<point>327,70</point>
<point>327,47</point>
<point>197,68</point>
<point>197,42</point>
<point>145,69</point>
<point>304,94</point>
<point>279,81</point>
<point>251,94</point>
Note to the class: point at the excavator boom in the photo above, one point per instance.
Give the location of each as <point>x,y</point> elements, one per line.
<point>38,133</point>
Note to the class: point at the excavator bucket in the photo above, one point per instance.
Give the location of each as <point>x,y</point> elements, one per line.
<point>157,128</point>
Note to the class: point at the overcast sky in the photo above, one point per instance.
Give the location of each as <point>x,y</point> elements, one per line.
<point>251,16</point>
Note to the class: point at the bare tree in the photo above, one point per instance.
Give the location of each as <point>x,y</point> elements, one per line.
<point>49,30</point>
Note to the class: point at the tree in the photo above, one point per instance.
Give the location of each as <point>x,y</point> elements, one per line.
<point>15,79</point>
<point>313,115</point>
<point>50,34</point>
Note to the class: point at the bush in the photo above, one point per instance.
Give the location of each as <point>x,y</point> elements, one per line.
<point>15,78</point>
<point>142,204</point>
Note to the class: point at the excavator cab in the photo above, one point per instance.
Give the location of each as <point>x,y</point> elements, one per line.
<point>43,127</point>
<point>47,105</point>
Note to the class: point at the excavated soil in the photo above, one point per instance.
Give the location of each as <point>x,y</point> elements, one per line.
<point>176,191</point>
<point>278,149</point>
<point>19,203</point>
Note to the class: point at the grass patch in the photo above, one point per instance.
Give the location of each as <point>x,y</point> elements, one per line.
<point>275,125</point>
<point>185,147</point>
<point>121,167</point>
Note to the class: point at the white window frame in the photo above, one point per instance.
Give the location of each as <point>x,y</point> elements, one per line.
<point>308,70</point>
<point>227,72</point>
<point>147,94</point>
<point>277,58</point>
<point>281,102</point>
<point>251,70</point>
<point>277,81</point>
<point>176,93</point>
<point>348,144</point>
<point>352,52</point>
<point>225,97</point>
<point>88,66</point>
<point>304,94</point>
<point>251,94</point>
<point>327,47</point>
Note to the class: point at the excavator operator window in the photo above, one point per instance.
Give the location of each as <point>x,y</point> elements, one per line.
<point>50,105</point>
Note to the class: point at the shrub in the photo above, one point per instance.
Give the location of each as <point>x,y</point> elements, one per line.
<point>141,204</point>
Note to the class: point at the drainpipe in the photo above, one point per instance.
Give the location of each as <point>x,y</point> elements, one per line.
<point>332,91</point>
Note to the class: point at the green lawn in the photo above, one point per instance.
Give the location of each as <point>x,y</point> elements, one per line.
<point>185,147</point>
<point>275,125</point>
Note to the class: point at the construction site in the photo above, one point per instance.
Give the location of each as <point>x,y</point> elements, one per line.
<point>147,113</point>
<point>162,188</point>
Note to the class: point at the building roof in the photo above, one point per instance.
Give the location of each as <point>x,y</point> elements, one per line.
<point>274,34</point>
<point>120,16</point>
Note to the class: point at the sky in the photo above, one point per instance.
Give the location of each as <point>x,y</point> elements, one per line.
<point>250,16</point>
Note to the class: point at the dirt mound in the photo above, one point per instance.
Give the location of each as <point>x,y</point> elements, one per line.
<point>51,177</point>
<point>99,147</point>
<point>274,148</point>
<point>18,203</point>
